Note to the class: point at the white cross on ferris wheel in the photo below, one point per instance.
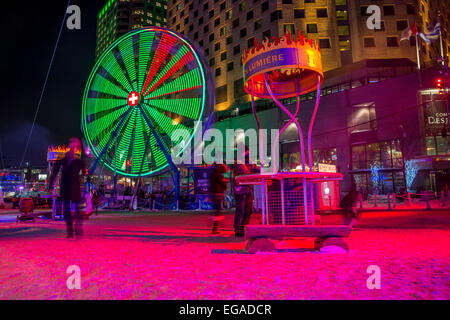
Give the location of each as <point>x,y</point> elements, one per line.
<point>133,98</point>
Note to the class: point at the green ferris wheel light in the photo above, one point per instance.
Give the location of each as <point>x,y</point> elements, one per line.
<point>153,71</point>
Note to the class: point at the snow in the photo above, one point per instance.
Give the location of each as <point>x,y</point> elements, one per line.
<point>173,256</point>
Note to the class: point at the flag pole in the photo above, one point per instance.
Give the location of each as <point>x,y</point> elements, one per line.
<point>417,51</point>
<point>440,41</point>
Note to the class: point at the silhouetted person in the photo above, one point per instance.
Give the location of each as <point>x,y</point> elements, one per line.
<point>70,192</point>
<point>218,186</point>
<point>95,202</point>
<point>243,195</point>
<point>348,205</point>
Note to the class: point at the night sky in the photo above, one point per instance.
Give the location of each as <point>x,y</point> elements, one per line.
<point>29,30</point>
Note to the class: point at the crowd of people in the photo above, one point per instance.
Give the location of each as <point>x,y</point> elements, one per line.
<point>72,167</point>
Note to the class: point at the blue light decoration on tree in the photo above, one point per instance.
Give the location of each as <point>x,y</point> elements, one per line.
<point>376,175</point>
<point>411,170</point>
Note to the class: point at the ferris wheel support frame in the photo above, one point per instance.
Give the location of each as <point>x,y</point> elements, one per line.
<point>113,136</point>
<point>174,168</point>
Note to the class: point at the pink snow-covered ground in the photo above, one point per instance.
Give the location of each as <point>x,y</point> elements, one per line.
<point>173,256</point>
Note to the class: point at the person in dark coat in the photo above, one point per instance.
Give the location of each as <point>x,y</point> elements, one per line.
<point>96,201</point>
<point>348,205</point>
<point>71,166</point>
<point>243,195</point>
<point>218,186</point>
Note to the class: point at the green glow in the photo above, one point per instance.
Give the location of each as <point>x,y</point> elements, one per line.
<point>106,93</point>
<point>185,107</point>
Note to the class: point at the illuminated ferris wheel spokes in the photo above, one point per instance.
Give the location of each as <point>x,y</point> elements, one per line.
<point>148,84</point>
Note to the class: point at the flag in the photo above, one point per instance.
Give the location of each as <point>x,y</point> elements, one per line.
<point>408,32</point>
<point>432,34</point>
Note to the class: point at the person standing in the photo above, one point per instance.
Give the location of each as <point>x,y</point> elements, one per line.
<point>348,205</point>
<point>95,201</point>
<point>243,195</point>
<point>71,166</point>
<point>218,187</point>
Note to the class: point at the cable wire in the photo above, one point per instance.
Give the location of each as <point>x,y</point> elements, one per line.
<point>43,89</point>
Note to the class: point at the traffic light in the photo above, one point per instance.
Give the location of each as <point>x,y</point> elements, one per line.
<point>439,83</point>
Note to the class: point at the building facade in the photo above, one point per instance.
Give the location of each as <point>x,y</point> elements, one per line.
<point>118,17</point>
<point>225,28</point>
<point>377,121</point>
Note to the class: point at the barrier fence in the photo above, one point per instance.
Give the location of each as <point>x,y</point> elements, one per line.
<point>427,199</point>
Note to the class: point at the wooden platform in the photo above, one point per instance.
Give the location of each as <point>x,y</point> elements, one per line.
<point>326,235</point>
<point>281,231</point>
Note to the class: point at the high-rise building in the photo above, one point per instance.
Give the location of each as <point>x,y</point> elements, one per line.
<point>117,17</point>
<point>225,28</point>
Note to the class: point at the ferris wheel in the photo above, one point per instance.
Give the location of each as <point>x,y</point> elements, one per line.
<point>146,85</point>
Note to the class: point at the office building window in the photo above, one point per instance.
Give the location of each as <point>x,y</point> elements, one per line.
<point>217,46</point>
<point>287,1</point>
<point>392,41</point>
<point>218,71</point>
<point>243,32</point>
<point>364,12</point>
<point>242,6</point>
<point>363,117</point>
<point>250,15</point>
<point>324,43</point>
<point>229,40</point>
<point>342,15</point>
<point>382,28</point>
<point>239,88</point>
<point>265,6</point>
<point>223,56</point>
<point>223,31</point>
<point>276,15</point>
<point>267,34</point>
<point>212,62</point>
<point>229,15</point>
<point>235,23</point>
<point>230,66</point>
<point>236,49</point>
<point>251,42</point>
<point>216,22</point>
<point>211,37</point>
<point>258,24</point>
<point>223,6</point>
<point>221,93</point>
<point>289,28</point>
<point>211,13</point>
<point>410,9</point>
<point>322,13</point>
<point>389,10</point>
<point>402,25</point>
<point>311,28</point>
<point>369,42</point>
<point>299,13</point>
<point>343,30</point>
<point>206,29</point>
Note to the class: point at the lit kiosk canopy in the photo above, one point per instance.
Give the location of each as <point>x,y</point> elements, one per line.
<point>55,153</point>
<point>287,68</point>
<point>286,60</point>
